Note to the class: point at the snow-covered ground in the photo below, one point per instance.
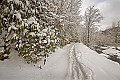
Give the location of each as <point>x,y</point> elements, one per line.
<point>112,51</point>
<point>73,62</point>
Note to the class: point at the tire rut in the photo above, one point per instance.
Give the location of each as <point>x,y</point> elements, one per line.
<point>77,70</point>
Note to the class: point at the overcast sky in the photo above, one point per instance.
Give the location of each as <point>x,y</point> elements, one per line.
<point>110,10</point>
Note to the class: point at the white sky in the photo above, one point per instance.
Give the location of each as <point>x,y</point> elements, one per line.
<point>110,10</point>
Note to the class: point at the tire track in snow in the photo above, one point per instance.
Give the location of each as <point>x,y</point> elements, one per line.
<point>85,69</point>
<point>68,74</point>
<point>78,67</point>
<point>77,70</point>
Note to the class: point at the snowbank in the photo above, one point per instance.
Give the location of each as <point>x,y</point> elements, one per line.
<point>111,52</point>
<point>55,68</point>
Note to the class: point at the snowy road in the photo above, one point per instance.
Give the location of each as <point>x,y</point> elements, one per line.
<point>72,62</point>
<point>77,70</point>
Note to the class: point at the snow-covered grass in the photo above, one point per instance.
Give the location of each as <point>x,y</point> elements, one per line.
<point>57,66</point>
<point>111,51</point>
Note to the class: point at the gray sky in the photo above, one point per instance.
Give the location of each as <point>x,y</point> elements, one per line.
<point>110,10</point>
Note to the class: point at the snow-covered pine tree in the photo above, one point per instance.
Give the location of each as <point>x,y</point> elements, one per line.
<point>69,19</point>
<point>40,38</point>
<point>74,19</point>
<point>31,27</point>
<point>7,28</point>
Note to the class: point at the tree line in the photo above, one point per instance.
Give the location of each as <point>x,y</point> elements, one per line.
<point>34,28</point>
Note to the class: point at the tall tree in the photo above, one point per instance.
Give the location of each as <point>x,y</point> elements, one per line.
<point>92,18</point>
<point>69,12</point>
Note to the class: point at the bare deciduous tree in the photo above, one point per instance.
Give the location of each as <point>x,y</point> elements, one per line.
<point>92,18</point>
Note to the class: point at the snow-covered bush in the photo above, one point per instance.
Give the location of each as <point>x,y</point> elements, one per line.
<point>28,26</point>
